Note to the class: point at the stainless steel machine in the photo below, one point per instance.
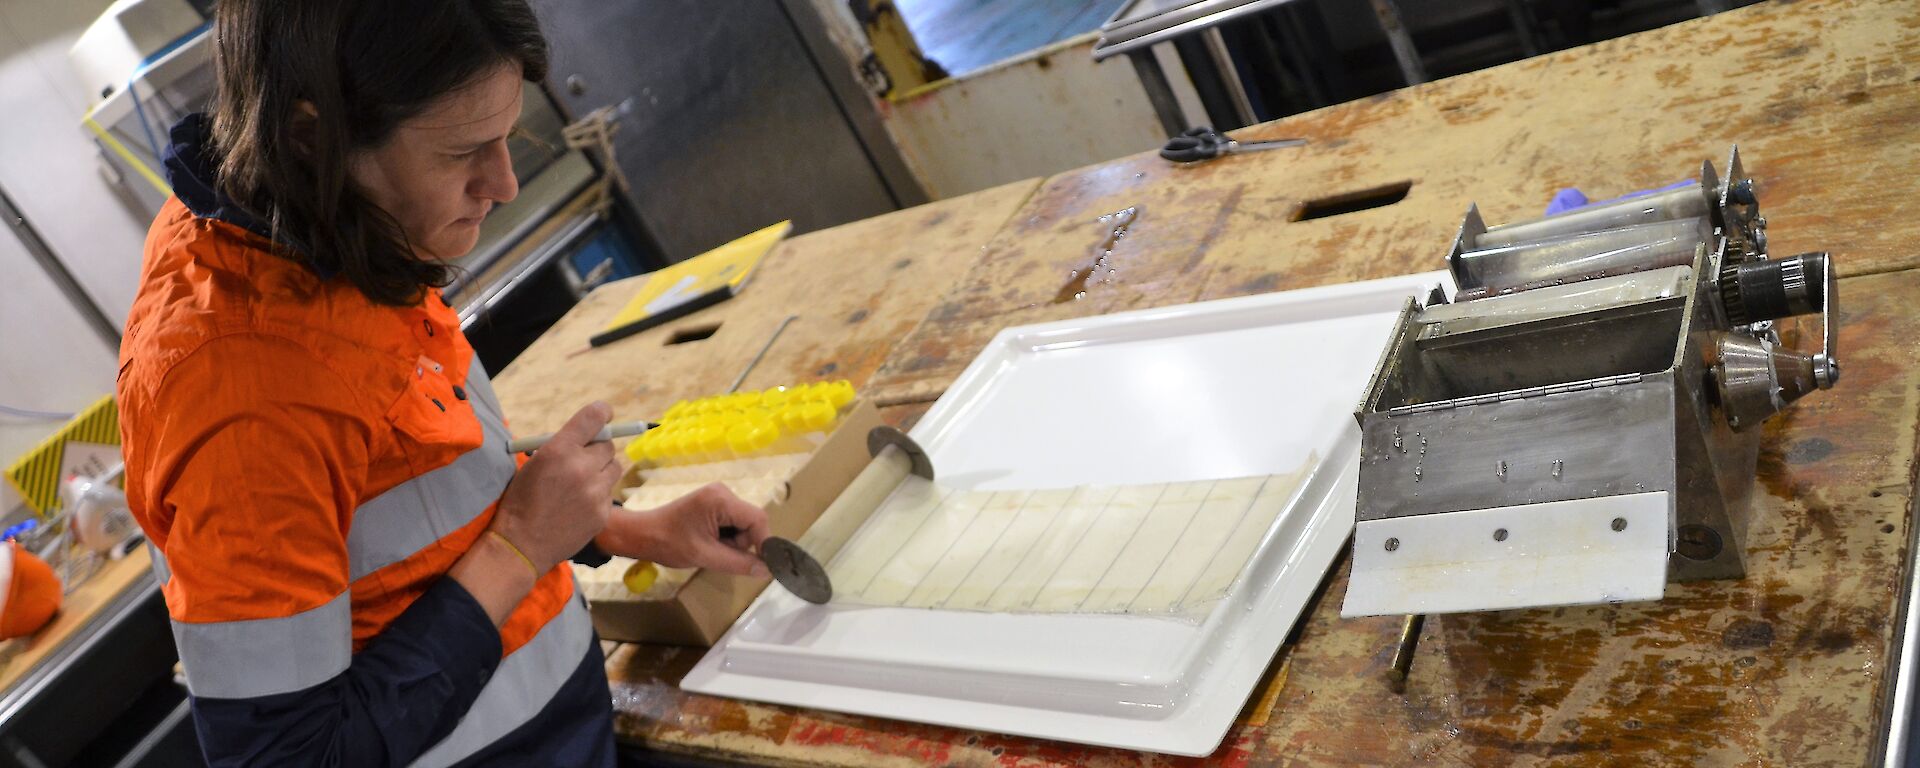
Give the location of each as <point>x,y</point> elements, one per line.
<point>1581,424</point>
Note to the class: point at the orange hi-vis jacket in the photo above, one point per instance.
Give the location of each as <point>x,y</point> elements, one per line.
<point>307,465</point>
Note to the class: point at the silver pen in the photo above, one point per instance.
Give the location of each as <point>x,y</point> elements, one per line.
<point>608,432</point>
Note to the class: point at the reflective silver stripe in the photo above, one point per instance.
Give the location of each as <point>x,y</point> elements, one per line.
<point>161,573</point>
<point>480,387</point>
<point>261,657</point>
<point>411,516</point>
<point>520,687</point>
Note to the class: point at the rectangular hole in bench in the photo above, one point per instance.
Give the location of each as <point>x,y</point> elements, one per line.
<point>692,333</point>
<point>1349,202</point>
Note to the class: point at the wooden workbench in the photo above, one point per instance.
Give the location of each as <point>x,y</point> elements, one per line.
<point>1820,96</point>
<point>854,291</point>
<point>1785,667</point>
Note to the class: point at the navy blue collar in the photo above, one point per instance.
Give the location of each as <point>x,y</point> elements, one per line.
<point>192,167</point>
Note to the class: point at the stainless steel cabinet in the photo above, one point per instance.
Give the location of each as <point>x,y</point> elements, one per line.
<point>729,119</point>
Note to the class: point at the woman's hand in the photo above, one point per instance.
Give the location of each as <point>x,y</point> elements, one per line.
<point>555,504</point>
<point>558,501</point>
<point>686,533</point>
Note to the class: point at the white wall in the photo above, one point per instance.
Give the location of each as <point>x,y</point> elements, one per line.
<point>50,359</point>
<point>48,162</point>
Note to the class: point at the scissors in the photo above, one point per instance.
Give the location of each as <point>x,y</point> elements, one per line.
<point>1203,143</point>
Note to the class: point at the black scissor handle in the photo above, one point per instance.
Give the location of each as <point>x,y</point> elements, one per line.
<point>1193,145</point>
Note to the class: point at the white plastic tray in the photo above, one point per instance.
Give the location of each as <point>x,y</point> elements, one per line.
<point>1233,388</point>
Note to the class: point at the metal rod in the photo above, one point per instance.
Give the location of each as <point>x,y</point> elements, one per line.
<point>1409,643</point>
<point>1402,43</point>
<point>1610,252</point>
<point>1159,92</point>
<point>1229,76</point>
<point>1209,83</point>
<point>738,380</point>
<point>1899,706</point>
<point>1523,26</point>
<point>1320,76</point>
<point>1683,203</point>
<point>540,258</point>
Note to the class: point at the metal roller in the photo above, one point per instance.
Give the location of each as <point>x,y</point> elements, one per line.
<point>1634,248</point>
<point>1689,202</point>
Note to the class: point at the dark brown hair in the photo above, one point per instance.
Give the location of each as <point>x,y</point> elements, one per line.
<point>365,66</point>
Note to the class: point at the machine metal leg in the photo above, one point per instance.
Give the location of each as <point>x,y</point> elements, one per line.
<point>1209,82</point>
<point>1410,66</point>
<point>1159,92</point>
<point>1229,75</point>
<point>1524,28</point>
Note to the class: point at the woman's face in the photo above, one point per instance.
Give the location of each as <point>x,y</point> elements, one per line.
<point>442,171</point>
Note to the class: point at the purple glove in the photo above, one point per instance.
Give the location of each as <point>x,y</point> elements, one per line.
<point>1571,198</point>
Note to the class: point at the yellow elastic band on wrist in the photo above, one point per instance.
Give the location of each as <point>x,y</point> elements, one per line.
<point>516,551</point>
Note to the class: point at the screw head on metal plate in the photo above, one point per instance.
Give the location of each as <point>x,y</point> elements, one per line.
<point>796,570</point>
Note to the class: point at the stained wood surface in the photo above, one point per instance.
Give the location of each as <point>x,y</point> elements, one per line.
<point>1785,667</point>
<point>854,291</point>
<point>1822,98</point>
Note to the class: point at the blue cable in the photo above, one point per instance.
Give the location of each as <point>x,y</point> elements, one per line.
<point>20,528</point>
<point>141,112</point>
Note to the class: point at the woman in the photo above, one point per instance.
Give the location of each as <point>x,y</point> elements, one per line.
<point>357,571</point>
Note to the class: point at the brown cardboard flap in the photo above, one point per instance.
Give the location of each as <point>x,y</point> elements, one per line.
<point>709,602</point>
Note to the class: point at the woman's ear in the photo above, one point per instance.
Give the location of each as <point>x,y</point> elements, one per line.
<point>301,127</point>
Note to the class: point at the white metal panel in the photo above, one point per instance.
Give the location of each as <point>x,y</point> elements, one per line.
<point>1610,549</point>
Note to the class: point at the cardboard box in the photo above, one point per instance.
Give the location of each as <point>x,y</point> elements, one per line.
<point>696,607</point>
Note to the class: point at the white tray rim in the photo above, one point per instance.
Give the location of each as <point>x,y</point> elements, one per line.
<point>1203,709</point>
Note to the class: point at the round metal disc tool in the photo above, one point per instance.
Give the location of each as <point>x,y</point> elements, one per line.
<point>796,570</point>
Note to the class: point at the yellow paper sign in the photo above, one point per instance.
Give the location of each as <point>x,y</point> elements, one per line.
<point>725,268</point>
